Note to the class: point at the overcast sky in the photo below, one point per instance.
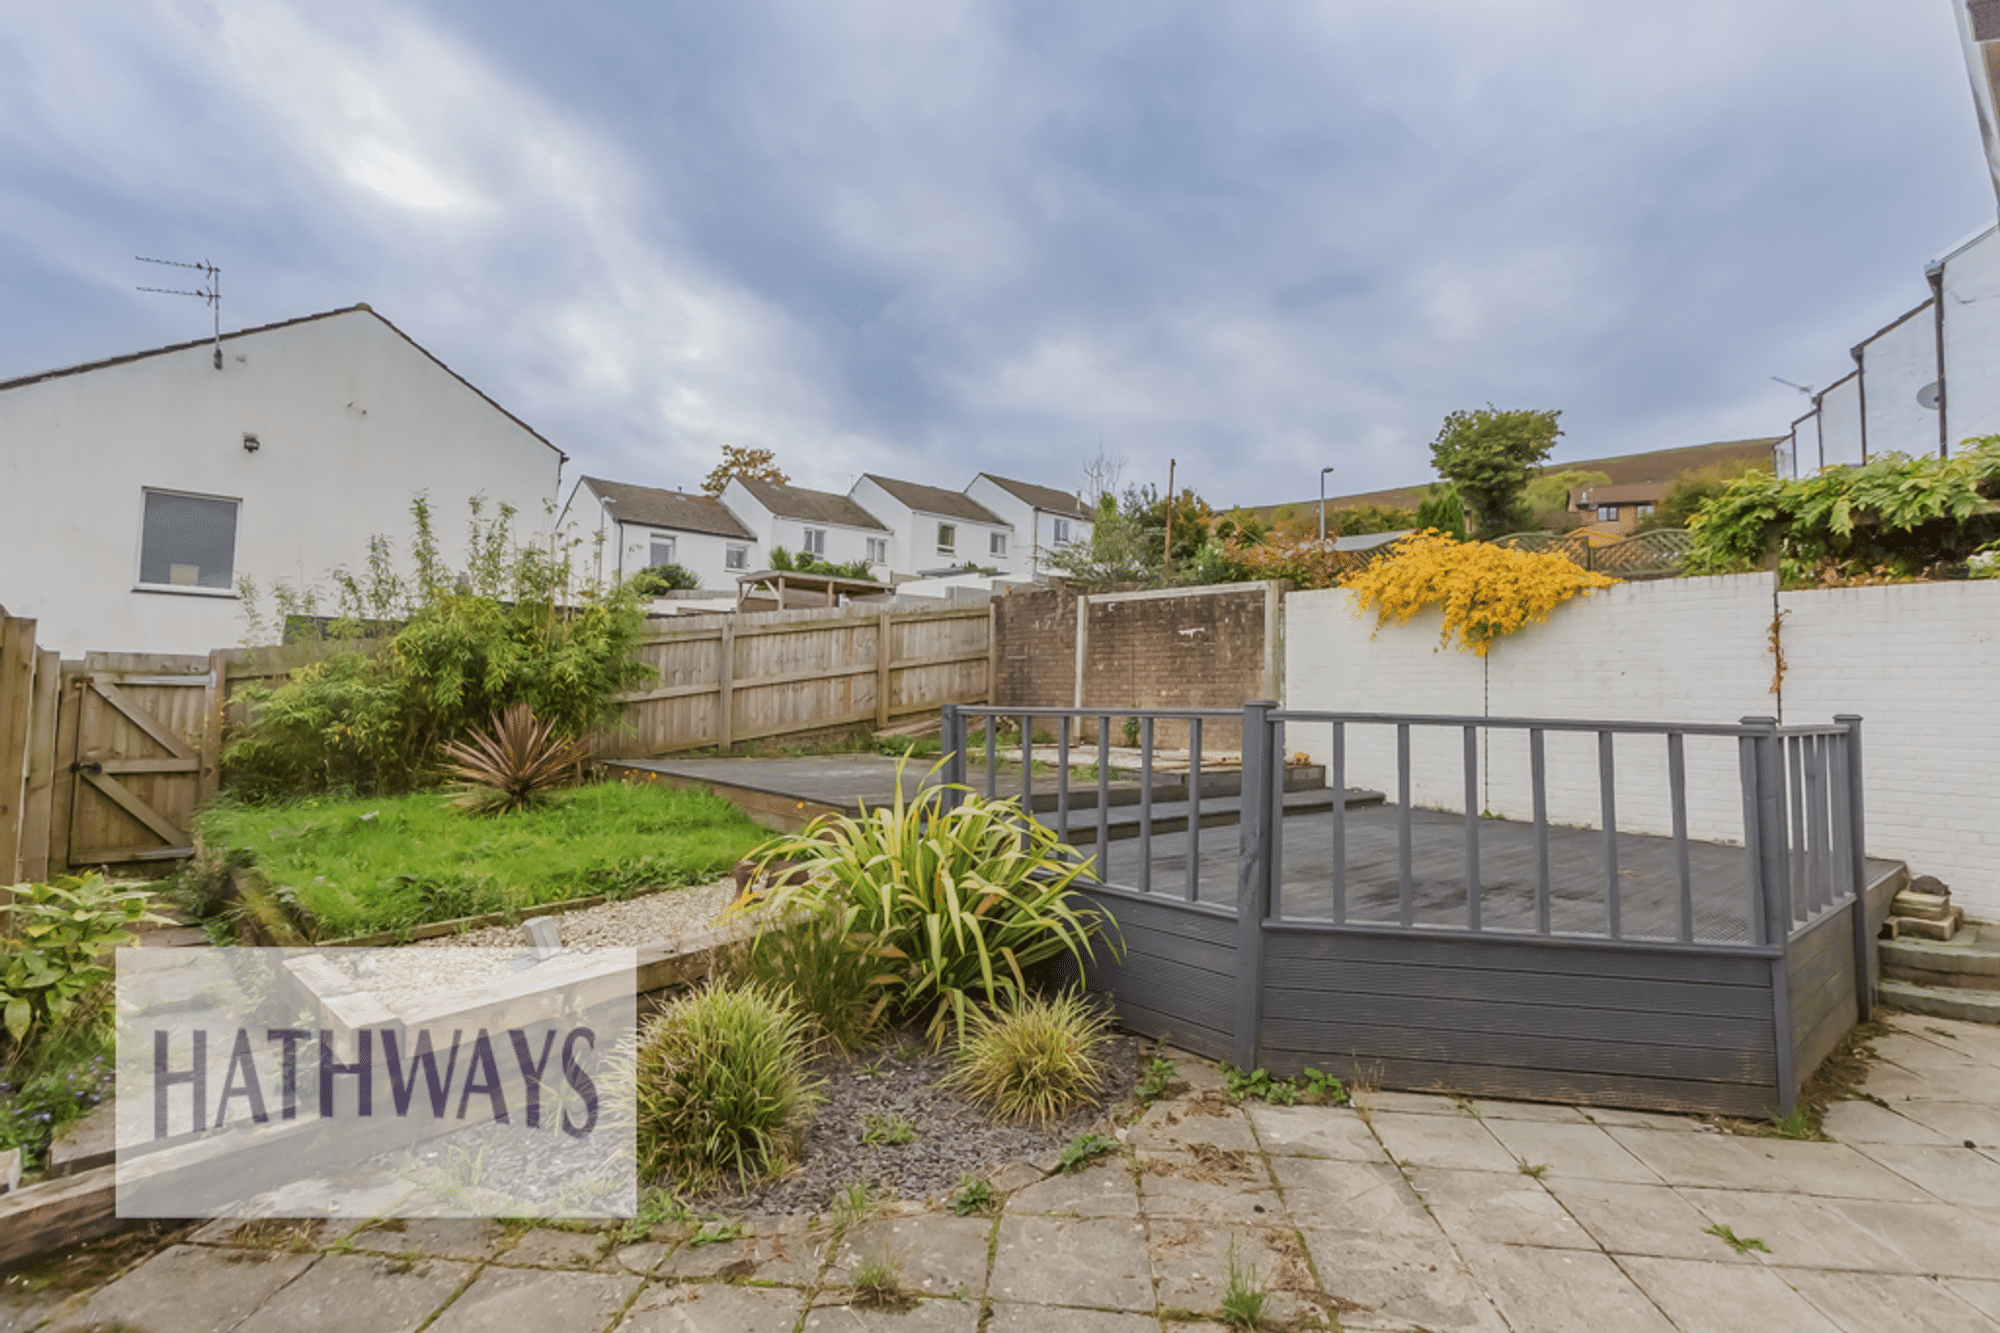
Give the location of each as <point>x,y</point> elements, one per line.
<point>930,239</point>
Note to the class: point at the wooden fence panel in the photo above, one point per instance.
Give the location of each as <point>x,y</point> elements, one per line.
<point>775,673</point>
<point>17,685</point>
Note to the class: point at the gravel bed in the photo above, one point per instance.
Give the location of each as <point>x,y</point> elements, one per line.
<point>955,1137</point>
<point>648,919</point>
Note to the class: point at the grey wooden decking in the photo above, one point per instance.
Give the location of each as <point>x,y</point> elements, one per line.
<point>1648,879</point>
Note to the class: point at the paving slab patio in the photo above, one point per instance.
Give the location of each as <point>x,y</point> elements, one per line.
<point>1411,1212</point>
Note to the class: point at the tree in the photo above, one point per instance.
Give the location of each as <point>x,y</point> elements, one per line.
<point>1128,539</point>
<point>1545,503</point>
<point>1443,511</point>
<point>1488,455</point>
<point>742,461</point>
<point>1691,492</point>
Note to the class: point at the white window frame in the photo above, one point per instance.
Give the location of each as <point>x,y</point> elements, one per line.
<point>186,589</point>
<point>878,550</point>
<point>1061,532</point>
<point>1607,513</point>
<point>654,541</point>
<point>813,542</point>
<point>947,538</point>
<point>736,555</point>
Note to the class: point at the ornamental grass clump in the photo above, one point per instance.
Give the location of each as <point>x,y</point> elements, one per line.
<point>1484,591</point>
<point>959,897</point>
<point>1036,1060</point>
<point>723,1087</point>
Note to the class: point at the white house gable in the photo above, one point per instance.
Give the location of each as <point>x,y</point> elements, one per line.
<point>151,485</point>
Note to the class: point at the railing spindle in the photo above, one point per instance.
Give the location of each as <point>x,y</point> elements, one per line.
<point>1472,828</point>
<point>1104,798</point>
<point>1538,779</point>
<point>1406,904</point>
<point>1797,852</point>
<point>1146,805</point>
<point>1194,811</point>
<point>1339,785</point>
<point>992,756</point>
<point>1062,775</point>
<point>1276,796</point>
<point>1677,792</point>
<point>1607,794</point>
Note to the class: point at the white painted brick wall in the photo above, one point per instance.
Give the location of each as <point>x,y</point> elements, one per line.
<point>1919,662</point>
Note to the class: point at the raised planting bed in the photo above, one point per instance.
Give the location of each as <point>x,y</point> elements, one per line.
<point>328,869</point>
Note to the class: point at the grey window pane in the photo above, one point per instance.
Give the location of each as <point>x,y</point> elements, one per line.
<point>189,541</point>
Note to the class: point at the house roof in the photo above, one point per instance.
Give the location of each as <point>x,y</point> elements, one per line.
<point>1632,492</point>
<point>937,500</point>
<point>359,307</point>
<point>810,506</point>
<point>655,508</point>
<point>1045,498</point>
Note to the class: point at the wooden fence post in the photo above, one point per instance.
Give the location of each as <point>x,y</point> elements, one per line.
<point>17,684</point>
<point>885,653</point>
<point>38,800</point>
<point>213,718</point>
<point>725,670</point>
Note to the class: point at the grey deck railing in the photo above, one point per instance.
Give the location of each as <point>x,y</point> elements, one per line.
<point>1800,793</point>
<point>1323,899</point>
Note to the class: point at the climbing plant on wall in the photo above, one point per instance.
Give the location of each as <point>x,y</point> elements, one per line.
<point>1484,591</point>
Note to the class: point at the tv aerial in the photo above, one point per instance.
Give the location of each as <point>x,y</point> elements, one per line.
<point>1789,385</point>
<point>211,293</point>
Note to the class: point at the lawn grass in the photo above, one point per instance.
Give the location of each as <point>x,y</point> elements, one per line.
<point>362,866</point>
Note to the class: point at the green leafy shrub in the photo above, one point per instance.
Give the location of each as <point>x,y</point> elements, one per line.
<point>372,715</point>
<point>57,962</point>
<point>659,580</point>
<point>515,765</point>
<point>1893,517</point>
<point>722,1087</point>
<point>960,900</point>
<point>1037,1060</point>
<point>806,563</point>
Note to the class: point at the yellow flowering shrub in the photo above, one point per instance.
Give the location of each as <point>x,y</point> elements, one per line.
<point>1485,591</point>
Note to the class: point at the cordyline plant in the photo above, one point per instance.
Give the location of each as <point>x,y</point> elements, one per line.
<point>515,765</point>
<point>957,895</point>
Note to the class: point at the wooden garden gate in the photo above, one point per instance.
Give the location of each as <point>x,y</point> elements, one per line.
<point>129,750</point>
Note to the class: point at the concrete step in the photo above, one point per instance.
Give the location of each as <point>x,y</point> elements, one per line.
<point>1970,960</point>
<point>1973,1006</point>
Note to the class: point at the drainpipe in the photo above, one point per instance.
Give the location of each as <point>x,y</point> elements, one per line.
<point>1936,274</point>
<point>1861,390</point>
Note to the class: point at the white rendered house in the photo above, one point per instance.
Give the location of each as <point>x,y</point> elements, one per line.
<point>933,529</point>
<point>641,526</point>
<point>146,486</point>
<point>806,522</point>
<point>1043,519</point>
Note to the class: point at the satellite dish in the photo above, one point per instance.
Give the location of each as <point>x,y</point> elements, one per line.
<point>1927,397</point>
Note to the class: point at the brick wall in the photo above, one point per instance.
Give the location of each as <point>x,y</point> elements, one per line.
<point>1170,648</point>
<point>1917,662</point>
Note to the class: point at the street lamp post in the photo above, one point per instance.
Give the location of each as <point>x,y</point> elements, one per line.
<point>1322,502</point>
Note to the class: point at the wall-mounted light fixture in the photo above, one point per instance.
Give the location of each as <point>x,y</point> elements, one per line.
<point>250,444</point>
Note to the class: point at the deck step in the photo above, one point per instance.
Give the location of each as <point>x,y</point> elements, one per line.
<point>1122,821</point>
<point>1973,1006</point>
